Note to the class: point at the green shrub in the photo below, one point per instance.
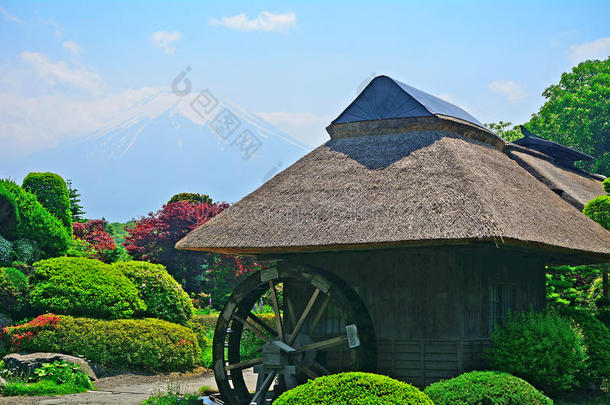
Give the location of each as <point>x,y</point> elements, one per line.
<point>51,191</point>
<point>138,344</point>
<point>607,185</point>
<point>83,287</point>
<point>26,251</point>
<point>13,290</point>
<point>80,248</point>
<point>485,387</point>
<point>598,209</point>
<point>6,251</point>
<point>44,387</point>
<point>163,296</point>
<point>546,350</point>
<point>37,223</point>
<point>9,214</point>
<point>597,340</point>
<point>354,389</point>
<point>192,197</point>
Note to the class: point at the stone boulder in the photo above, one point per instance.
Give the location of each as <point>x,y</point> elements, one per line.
<point>25,364</point>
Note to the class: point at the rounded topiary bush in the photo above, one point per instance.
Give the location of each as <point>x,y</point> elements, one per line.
<point>485,387</point>
<point>163,296</point>
<point>547,350</point>
<point>26,251</point>
<point>51,191</point>
<point>136,344</point>
<point>354,389</point>
<point>13,290</point>
<point>9,214</point>
<point>36,223</point>
<point>6,251</point>
<point>83,287</point>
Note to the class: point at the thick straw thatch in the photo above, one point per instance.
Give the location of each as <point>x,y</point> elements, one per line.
<point>419,187</point>
<point>573,185</point>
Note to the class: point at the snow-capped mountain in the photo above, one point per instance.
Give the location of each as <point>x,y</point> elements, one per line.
<point>167,144</point>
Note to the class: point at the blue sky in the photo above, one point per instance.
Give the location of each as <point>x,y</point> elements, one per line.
<point>67,67</point>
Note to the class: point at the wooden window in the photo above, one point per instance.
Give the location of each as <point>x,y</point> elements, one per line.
<point>503,297</point>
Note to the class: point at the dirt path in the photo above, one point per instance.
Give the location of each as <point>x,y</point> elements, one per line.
<point>128,389</point>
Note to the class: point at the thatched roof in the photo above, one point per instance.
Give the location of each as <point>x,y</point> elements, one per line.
<point>420,187</point>
<point>573,185</point>
<point>404,168</point>
<point>558,152</point>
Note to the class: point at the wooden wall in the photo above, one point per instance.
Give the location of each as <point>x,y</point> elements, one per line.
<point>431,307</point>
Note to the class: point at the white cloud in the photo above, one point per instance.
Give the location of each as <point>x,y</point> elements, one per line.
<point>307,127</point>
<point>164,39</point>
<point>60,72</point>
<point>9,17</point>
<point>72,47</point>
<point>513,92</point>
<point>265,21</point>
<point>598,49</point>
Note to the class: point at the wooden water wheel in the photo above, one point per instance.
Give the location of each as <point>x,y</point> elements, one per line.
<point>321,326</point>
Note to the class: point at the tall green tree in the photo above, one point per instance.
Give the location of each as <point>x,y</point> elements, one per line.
<point>506,130</point>
<point>51,191</point>
<point>75,208</point>
<point>577,113</point>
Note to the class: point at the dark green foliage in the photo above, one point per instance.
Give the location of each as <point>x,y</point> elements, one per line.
<point>173,397</point>
<point>6,251</point>
<point>51,191</point>
<point>598,209</point>
<point>546,350</point>
<point>76,210</point>
<point>163,296</point>
<point>37,223</point>
<point>573,286</point>
<point>576,113</point>
<point>192,197</point>
<point>13,290</point>
<point>137,344</point>
<point>9,214</point>
<point>83,287</point>
<point>597,340</point>
<point>26,251</point>
<point>607,185</point>
<point>46,387</point>
<point>354,389</point>
<point>485,387</point>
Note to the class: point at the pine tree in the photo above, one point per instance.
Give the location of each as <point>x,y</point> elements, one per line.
<point>75,207</point>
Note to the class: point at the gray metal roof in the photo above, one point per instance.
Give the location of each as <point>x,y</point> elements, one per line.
<point>386,98</point>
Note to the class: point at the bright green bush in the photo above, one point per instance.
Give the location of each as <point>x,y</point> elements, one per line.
<point>546,350</point>
<point>354,389</point>
<point>485,387</point>
<point>598,209</point>
<point>137,344</point>
<point>83,287</point>
<point>6,251</point>
<point>9,214</point>
<point>37,223</point>
<point>607,185</point>
<point>80,248</point>
<point>163,296</point>
<point>192,197</point>
<point>26,251</point>
<point>51,191</point>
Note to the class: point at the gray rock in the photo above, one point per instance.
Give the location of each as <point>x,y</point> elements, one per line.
<point>25,364</point>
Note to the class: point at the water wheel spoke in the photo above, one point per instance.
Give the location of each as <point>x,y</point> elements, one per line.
<point>276,310</point>
<point>319,314</point>
<point>245,364</point>
<point>262,324</point>
<point>253,328</point>
<point>261,393</point>
<point>321,368</point>
<point>290,309</point>
<point>304,315</point>
<point>323,344</point>
<point>308,371</point>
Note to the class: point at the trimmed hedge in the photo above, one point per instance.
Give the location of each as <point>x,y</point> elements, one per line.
<point>13,290</point>
<point>51,191</point>
<point>137,344</point>
<point>598,209</point>
<point>83,287</point>
<point>163,296</point>
<point>37,223</point>
<point>597,339</point>
<point>354,388</point>
<point>546,350</point>
<point>9,214</point>
<point>485,387</point>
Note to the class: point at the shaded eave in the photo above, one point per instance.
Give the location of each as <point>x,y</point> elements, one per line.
<point>559,254</point>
